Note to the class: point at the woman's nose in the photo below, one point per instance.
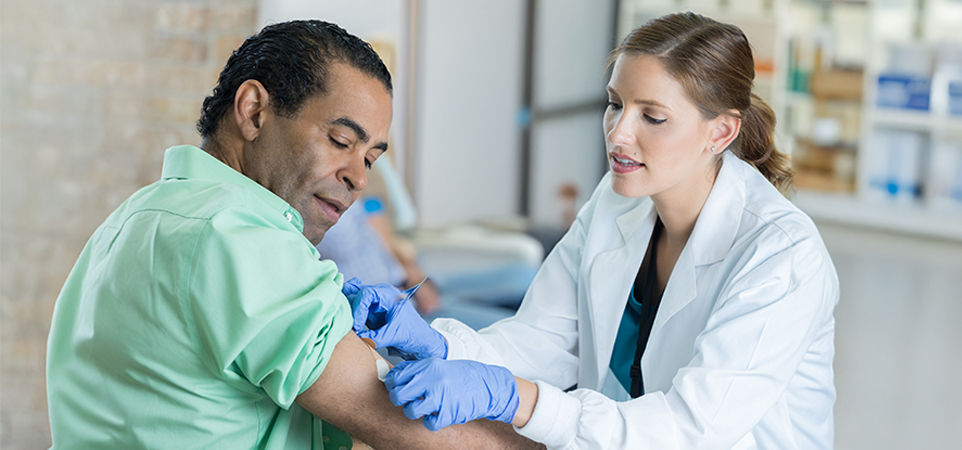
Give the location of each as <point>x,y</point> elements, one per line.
<point>620,133</point>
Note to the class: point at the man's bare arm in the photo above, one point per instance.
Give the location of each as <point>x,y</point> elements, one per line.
<point>349,395</point>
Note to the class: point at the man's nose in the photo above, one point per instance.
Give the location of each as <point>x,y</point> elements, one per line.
<point>354,175</point>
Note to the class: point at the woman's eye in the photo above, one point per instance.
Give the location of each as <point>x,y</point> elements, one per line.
<point>337,143</point>
<point>614,106</point>
<point>653,120</point>
<point>368,163</point>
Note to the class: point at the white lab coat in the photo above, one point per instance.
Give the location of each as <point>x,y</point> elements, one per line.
<point>740,353</point>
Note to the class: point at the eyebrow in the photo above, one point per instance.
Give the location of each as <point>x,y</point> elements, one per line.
<point>359,130</point>
<point>640,102</point>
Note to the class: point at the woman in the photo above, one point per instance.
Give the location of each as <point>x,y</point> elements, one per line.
<point>690,304</point>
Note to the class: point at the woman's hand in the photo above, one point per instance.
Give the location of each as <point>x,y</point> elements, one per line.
<point>370,303</point>
<point>391,323</point>
<point>453,392</point>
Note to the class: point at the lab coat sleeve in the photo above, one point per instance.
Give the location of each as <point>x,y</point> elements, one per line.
<point>765,319</point>
<point>540,341</point>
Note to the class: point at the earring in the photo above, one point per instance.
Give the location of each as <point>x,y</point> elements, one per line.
<point>713,149</point>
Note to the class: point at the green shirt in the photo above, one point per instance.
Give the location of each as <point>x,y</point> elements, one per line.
<point>194,316</point>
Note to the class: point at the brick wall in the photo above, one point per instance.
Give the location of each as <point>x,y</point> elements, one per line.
<point>91,93</point>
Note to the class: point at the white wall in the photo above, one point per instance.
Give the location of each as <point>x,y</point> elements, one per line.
<point>573,40</point>
<point>571,46</point>
<point>568,150</point>
<point>364,18</point>
<point>469,93</point>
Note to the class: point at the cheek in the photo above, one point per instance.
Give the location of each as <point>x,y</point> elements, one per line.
<point>608,123</point>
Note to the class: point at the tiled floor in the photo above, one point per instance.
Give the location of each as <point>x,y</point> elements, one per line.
<point>898,340</point>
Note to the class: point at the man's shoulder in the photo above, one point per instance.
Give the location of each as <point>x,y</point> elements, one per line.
<point>177,210</point>
<point>188,198</point>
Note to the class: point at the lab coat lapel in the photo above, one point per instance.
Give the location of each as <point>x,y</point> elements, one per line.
<point>611,275</point>
<point>710,240</point>
<point>680,290</point>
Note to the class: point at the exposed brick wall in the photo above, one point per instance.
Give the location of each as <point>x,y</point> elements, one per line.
<point>91,93</point>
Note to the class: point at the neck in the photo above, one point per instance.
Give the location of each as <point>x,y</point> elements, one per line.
<point>679,208</point>
<point>224,153</point>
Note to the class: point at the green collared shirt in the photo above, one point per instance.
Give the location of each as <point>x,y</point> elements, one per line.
<point>194,316</point>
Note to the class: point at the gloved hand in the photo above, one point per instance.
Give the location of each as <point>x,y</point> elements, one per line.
<point>408,333</point>
<point>370,304</point>
<point>452,392</point>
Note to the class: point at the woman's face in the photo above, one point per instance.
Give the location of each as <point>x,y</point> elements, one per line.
<point>656,138</point>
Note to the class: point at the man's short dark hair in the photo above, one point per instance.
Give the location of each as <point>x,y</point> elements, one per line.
<point>291,60</point>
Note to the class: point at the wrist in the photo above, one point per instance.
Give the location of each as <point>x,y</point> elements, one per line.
<point>504,407</point>
<point>527,399</point>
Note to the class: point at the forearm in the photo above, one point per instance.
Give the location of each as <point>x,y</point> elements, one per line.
<point>349,395</point>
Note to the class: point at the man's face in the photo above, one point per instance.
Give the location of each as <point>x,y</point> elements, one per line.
<point>318,160</point>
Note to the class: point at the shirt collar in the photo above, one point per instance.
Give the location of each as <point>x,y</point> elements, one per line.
<point>720,217</point>
<point>188,161</point>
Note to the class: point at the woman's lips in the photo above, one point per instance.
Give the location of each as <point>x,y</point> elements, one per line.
<point>624,164</point>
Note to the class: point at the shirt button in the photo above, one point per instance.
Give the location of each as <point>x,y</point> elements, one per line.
<point>288,216</point>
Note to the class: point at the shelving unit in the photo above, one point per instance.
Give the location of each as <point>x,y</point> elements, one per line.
<point>912,218</point>
<point>918,121</point>
<point>924,214</point>
<point>885,205</point>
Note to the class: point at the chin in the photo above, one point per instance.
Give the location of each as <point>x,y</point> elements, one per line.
<point>626,188</point>
<point>315,234</point>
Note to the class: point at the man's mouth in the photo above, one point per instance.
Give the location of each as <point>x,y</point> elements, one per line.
<point>332,208</point>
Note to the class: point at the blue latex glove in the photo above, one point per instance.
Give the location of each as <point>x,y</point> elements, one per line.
<point>370,304</point>
<point>452,392</point>
<point>405,331</point>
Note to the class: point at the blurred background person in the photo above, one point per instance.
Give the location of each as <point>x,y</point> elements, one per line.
<point>364,244</point>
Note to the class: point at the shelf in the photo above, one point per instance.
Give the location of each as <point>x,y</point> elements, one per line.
<point>916,120</point>
<point>915,219</point>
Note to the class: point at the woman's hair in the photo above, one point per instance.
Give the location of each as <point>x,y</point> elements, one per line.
<point>713,63</point>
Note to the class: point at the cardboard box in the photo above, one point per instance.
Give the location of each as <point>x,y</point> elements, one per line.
<point>837,84</point>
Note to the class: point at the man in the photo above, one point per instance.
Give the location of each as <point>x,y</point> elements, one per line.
<point>198,314</point>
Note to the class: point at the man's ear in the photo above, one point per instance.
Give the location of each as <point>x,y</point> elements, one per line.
<point>251,106</point>
<point>724,130</point>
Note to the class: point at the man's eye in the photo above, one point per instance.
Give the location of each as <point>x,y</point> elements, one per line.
<point>654,121</point>
<point>337,143</point>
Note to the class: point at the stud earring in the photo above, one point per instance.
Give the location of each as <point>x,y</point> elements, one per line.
<point>713,149</point>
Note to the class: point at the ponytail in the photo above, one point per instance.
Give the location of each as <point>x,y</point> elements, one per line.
<point>756,145</point>
<point>714,64</point>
